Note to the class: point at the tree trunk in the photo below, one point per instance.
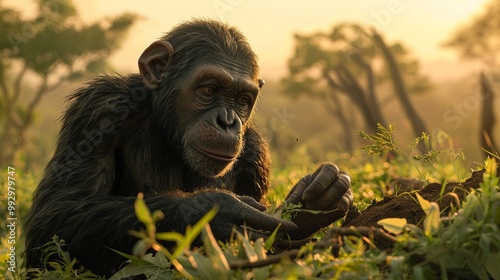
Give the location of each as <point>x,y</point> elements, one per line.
<point>487,117</point>
<point>401,91</point>
<point>366,103</point>
<point>6,134</point>
<point>335,107</point>
<point>370,96</point>
<point>16,126</point>
<point>349,86</point>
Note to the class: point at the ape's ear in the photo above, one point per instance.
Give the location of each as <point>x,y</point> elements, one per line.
<point>153,61</point>
<point>261,83</point>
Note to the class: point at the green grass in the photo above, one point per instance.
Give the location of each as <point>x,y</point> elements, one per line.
<point>466,243</point>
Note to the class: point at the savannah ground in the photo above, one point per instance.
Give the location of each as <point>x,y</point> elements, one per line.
<point>450,231</point>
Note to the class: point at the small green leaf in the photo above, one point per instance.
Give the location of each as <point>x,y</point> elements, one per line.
<point>424,204</point>
<point>260,249</point>
<point>170,236</point>
<point>130,257</point>
<point>140,247</point>
<point>492,266</point>
<point>214,251</point>
<point>393,225</point>
<point>249,250</point>
<point>205,268</point>
<point>272,209</point>
<point>157,215</point>
<point>270,240</point>
<point>490,173</point>
<point>141,210</point>
<point>193,232</point>
<point>262,272</point>
<point>432,220</point>
<point>158,259</point>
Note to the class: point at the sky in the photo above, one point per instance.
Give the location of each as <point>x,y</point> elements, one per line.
<point>269,25</point>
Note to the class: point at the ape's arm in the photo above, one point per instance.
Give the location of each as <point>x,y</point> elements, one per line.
<point>94,224</point>
<point>327,190</point>
<point>76,199</point>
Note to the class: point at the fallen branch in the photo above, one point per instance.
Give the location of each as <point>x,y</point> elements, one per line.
<point>334,236</point>
<point>272,259</point>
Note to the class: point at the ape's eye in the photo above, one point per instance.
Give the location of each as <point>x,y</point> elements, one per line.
<point>245,100</point>
<point>210,90</point>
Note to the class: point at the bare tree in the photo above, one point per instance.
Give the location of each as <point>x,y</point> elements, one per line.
<point>480,40</point>
<point>353,62</point>
<point>487,116</point>
<point>401,91</point>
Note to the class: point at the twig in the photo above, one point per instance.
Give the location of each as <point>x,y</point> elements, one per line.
<point>292,254</point>
<point>332,237</point>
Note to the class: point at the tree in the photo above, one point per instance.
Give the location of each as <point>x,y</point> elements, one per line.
<point>487,116</point>
<point>480,40</point>
<point>54,46</point>
<point>355,62</point>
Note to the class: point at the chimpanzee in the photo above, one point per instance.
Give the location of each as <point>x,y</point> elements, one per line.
<point>179,132</point>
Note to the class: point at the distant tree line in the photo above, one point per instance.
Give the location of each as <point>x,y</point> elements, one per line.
<point>39,54</point>
<point>351,64</point>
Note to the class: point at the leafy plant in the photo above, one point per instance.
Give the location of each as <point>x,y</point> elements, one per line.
<point>383,142</point>
<point>240,258</point>
<point>466,244</point>
<point>59,264</point>
<point>158,265</point>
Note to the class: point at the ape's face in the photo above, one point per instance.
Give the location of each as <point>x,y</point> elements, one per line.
<point>213,107</point>
<point>210,83</point>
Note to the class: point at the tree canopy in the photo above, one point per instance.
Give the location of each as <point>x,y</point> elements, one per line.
<point>480,38</point>
<point>56,46</point>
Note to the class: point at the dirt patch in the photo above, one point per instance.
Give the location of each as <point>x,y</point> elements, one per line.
<point>406,205</point>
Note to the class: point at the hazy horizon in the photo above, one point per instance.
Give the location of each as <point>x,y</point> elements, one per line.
<point>269,26</point>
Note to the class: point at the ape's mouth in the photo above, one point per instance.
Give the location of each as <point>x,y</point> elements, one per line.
<point>216,155</point>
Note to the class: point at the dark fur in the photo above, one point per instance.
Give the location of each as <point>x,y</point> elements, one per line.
<point>118,139</point>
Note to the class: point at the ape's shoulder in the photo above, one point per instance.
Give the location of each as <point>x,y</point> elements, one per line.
<point>107,95</point>
<point>105,103</point>
<point>105,87</point>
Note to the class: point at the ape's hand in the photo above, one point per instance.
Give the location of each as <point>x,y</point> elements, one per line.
<point>233,211</point>
<point>327,190</point>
